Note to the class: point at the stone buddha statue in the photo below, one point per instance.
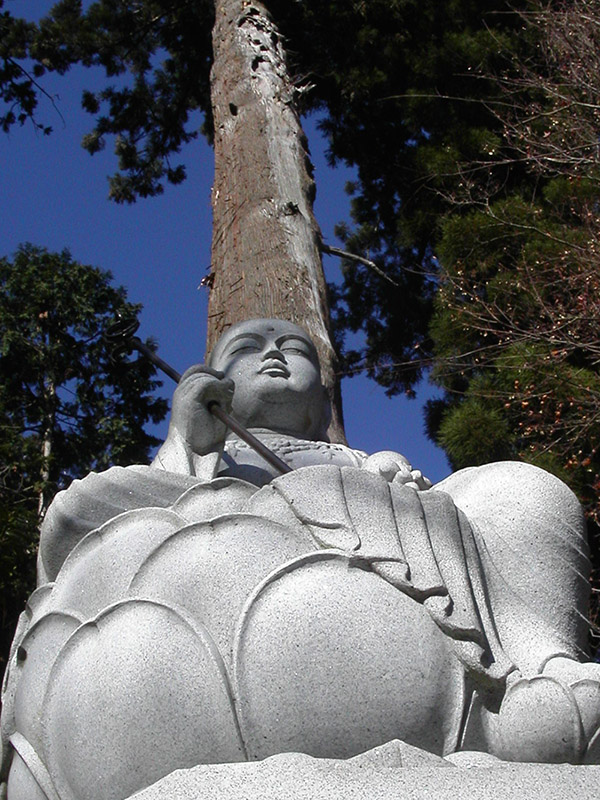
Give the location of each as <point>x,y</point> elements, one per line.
<point>207,610</point>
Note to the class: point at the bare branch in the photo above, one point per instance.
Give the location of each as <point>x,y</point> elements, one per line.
<point>336,251</point>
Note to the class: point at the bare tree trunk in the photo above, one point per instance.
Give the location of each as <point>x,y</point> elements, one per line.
<point>266,260</point>
<point>49,391</point>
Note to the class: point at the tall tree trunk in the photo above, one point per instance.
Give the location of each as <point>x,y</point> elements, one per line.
<point>266,260</point>
<point>49,394</point>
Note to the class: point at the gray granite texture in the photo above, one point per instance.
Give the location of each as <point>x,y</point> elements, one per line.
<point>394,774</point>
<point>207,611</point>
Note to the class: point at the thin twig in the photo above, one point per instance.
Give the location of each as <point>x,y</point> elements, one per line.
<point>38,86</point>
<point>337,251</point>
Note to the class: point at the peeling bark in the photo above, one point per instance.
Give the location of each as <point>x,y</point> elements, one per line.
<point>266,259</point>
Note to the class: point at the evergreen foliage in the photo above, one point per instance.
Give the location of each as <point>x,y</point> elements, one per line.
<point>401,88</point>
<point>515,319</point>
<point>66,406</point>
<point>18,87</point>
<point>515,316</point>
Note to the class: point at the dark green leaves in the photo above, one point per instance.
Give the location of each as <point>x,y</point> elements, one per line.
<point>66,406</point>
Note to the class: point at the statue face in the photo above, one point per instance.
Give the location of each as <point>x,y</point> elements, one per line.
<point>275,369</point>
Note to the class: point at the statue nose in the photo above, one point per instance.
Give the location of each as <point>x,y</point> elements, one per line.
<point>275,353</point>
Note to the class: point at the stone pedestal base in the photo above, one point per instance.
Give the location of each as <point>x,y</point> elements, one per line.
<point>394,771</point>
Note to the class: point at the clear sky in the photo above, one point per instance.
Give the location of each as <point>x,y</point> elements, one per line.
<point>54,194</point>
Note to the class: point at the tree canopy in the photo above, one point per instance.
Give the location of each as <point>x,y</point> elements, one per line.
<point>516,311</point>
<point>515,320</point>
<point>67,406</point>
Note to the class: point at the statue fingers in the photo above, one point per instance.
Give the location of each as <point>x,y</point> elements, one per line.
<point>390,465</point>
<point>219,391</point>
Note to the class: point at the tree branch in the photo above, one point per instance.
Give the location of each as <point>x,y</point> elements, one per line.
<point>337,251</point>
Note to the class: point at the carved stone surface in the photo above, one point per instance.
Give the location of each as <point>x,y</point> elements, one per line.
<point>391,772</point>
<point>206,611</point>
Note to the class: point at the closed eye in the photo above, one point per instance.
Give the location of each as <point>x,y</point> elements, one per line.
<point>244,348</point>
<point>296,347</point>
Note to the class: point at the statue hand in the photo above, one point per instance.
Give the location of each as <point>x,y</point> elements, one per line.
<point>190,416</point>
<point>395,468</point>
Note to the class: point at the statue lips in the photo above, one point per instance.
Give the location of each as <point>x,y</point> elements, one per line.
<point>276,369</point>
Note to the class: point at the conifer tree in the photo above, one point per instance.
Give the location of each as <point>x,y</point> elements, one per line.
<point>66,405</point>
<point>516,314</point>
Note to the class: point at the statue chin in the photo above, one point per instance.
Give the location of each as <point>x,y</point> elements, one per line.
<point>192,618</point>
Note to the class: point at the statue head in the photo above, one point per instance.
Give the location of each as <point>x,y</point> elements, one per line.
<point>275,368</point>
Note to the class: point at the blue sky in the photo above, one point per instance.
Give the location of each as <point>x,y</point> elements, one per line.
<point>54,194</point>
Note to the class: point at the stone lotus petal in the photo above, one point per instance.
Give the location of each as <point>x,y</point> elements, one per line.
<point>324,664</point>
<point>100,496</point>
<point>587,696</point>
<point>212,499</point>
<point>126,666</point>
<point>539,721</point>
<point>34,610</point>
<point>28,776</point>
<point>592,755</point>
<point>99,569</point>
<point>38,602</point>
<point>34,660</point>
<point>210,568</point>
